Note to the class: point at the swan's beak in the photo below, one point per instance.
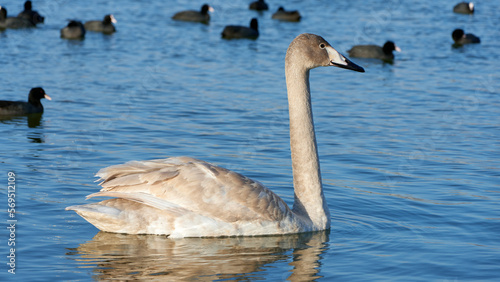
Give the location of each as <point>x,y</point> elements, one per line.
<point>47,97</point>
<point>339,60</point>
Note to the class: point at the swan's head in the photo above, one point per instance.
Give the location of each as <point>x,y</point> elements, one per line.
<point>312,51</point>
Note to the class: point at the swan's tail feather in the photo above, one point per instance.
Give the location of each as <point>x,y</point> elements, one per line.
<point>136,173</point>
<point>126,216</point>
<point>146,199</point>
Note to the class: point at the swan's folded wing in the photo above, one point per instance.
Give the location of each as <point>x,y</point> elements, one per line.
<point>197,186</point>
<point>145,199</point>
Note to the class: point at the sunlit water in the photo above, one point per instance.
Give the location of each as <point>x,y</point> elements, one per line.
<point>410,152</point>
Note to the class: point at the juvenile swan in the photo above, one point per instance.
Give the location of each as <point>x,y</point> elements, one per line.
<point>186,197</point>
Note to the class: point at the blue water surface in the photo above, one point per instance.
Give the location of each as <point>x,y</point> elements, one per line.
<point>410,151</point>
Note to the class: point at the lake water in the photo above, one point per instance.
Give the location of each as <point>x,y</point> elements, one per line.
<point>410,152</point>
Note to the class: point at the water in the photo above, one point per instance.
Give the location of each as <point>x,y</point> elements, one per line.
<point>409,151</point>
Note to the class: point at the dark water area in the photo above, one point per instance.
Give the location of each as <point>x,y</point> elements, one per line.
<point>410,151</point>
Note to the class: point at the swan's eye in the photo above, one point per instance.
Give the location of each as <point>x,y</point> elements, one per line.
<point>322,45</point>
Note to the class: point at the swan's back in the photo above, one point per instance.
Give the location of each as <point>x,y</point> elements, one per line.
<point>180,180</point>
<point>188,193</point>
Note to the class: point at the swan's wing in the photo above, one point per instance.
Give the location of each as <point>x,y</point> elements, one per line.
<point>145,199</point>
<point>185,184</point>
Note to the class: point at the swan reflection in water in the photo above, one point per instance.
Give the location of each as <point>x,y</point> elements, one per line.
<point>153,257</point>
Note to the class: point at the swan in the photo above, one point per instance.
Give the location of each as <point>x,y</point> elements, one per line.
<point>186,197</point>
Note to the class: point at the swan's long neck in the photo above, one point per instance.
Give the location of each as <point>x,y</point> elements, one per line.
<point>309,199</point>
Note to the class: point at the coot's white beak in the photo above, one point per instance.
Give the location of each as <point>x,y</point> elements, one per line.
<point>47,97</point>
<point>113,20</point>
<point>397,49</point>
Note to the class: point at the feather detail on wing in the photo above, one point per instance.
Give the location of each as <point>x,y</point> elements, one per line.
<point>185,184</point>
<point>145,199</point>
